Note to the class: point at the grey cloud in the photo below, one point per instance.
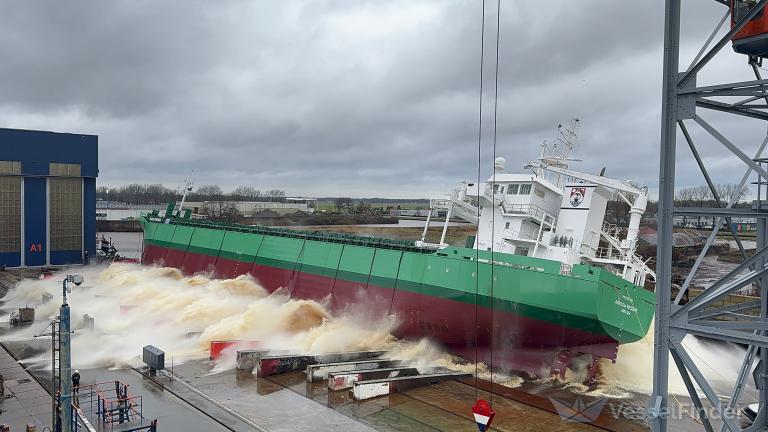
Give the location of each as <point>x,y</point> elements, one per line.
<point>356,98</point>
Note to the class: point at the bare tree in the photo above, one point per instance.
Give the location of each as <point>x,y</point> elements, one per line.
<point>363,208</point>
<point>727,191</point>
<point>221,211</point>
<point>209,193</point>
<point>245,193</point>
<point>275,195</point>
<point>702,196</point>
<point>344,204</point>
<point>685,196</point>
<point>137,194</point>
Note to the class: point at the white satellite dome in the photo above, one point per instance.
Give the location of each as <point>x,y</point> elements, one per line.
<point>499,163</point>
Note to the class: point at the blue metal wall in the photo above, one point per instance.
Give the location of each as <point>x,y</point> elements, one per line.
<point>10,259</point>
<point>35,209</point>
<point>36,150</point>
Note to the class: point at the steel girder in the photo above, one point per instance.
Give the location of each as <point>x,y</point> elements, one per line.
<point>704,316</point>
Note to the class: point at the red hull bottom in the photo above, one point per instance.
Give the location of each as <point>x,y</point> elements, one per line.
<point>519,343</point>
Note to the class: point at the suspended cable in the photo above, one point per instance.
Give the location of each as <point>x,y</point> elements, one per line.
<point>479,164</point>
<point>493,195</point>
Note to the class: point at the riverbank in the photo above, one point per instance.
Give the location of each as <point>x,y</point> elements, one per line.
<point>296,219</point>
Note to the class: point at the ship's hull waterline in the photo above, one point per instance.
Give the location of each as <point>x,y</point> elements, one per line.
<point>453,296</point>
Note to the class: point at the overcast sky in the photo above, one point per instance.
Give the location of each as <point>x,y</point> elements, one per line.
<point>350,98</point>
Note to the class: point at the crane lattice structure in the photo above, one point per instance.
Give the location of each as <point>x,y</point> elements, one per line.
<point>684,103</point>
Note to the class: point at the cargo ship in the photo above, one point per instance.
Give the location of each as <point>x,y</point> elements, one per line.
<point>543,281</point>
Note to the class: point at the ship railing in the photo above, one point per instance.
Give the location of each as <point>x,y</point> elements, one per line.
<point>633,259</point>
<point>512,265</point>
<point>609,253</point>
<point>612,229</point>
<point>513,234</point>
<point>531,210</point>
<point>469,202</point>
<point>376,242</point>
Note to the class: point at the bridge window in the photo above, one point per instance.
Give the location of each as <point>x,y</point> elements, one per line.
<point>512,189</point>
<point>525,189</point>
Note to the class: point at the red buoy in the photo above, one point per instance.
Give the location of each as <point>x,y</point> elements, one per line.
<point>752,39</point>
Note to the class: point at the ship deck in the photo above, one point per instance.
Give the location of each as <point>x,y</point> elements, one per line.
<point>350,239</point>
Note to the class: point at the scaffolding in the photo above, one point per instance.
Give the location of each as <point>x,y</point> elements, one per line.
<point>111,403</point>
<point>684,102</point>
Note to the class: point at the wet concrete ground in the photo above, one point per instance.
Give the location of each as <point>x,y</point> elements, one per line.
<point>441,407</point>
<point>239,401</point>
<point>24,401</point>
<point>171,412</point>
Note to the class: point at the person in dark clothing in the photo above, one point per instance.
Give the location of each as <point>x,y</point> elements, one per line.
<point>76,381</point>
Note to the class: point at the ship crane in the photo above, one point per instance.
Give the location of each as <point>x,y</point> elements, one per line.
<point>635,197</point>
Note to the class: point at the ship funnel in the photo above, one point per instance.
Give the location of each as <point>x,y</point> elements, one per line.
<point>499,164</point>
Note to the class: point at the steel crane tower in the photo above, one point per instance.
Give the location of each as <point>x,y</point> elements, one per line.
<point>685,104</point>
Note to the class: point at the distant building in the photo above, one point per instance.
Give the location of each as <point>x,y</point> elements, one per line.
<point>418,213</point>
<point>250,208</point>
<point>117,211</point>
<point>47,197</point>
<point>738,223</point>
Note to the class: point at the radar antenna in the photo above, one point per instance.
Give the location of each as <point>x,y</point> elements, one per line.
<point>558,154</point>
<point>189,183</point>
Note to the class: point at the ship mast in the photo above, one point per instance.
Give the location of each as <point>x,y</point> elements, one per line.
<point>188,185</point>
<point>558,154</point>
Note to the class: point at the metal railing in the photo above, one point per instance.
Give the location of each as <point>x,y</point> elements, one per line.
<point>609,253</point>
<point>531,210</point>
<point>513,234</point>
<point>375,242</point>
<point>110,402</point>
<point>612,229</point>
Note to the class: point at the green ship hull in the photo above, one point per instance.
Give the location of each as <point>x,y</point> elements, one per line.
<point>526,311</point>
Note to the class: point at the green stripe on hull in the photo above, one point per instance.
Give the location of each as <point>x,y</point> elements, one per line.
<point>589,299</point>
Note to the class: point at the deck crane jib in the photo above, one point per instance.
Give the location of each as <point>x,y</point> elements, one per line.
<point>582,218</point>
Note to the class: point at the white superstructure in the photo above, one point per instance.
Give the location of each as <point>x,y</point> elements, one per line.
<point>552,213</point>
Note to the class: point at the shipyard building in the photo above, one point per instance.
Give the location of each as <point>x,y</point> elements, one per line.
<point>47,197</point>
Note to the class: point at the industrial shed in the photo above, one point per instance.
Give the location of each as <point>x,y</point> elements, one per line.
<point>47,197</point>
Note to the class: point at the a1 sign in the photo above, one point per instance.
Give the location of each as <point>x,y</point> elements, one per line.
<point>36,247</point>
<point>483,414</point>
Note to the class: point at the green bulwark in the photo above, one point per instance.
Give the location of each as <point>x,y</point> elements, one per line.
<point>585,298</point>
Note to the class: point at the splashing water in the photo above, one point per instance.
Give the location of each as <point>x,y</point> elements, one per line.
<point>633,370</point>
<point>134,306</point>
